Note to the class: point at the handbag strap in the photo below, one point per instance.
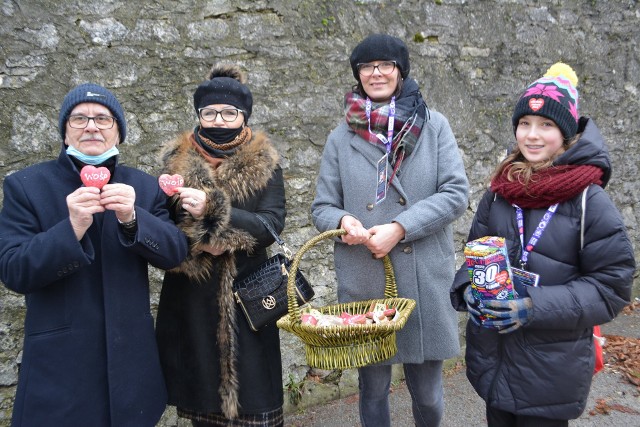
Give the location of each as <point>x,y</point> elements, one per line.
<point>275,235</point>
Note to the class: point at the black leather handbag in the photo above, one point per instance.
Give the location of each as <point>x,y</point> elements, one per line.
<point>262,295</point>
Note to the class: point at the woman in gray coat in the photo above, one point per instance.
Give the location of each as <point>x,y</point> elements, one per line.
<point>392,177</point>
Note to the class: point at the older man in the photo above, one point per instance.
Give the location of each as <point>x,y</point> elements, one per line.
<point>79,254</point>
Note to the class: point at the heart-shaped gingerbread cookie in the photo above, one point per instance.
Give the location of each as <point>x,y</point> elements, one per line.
<point>92,176</point>
<point>169,183</point>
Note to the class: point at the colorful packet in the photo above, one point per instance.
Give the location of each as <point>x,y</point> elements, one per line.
<point>489,269</point>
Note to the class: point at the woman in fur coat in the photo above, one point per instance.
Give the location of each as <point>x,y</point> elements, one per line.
<point>218,371</point>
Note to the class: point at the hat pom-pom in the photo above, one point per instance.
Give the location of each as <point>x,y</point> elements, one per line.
<point>560,69</point>
<point>231,71</point>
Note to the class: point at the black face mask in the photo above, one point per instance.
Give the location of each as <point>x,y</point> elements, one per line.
<point>220,135</point>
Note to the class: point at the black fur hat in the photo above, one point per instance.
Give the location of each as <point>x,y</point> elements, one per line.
<point>225,86</point>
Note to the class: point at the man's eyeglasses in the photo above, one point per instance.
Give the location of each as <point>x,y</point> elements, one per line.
<point>227,114</point>
<point>78,121</point>
<point>385,68</point>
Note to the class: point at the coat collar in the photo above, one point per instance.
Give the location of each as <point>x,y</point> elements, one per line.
<point>240,175</point>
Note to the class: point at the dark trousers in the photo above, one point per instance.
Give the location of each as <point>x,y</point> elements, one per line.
<point>498,418</point>
<point>424,382</point>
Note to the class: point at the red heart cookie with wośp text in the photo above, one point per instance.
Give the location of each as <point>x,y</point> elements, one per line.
<point>170,183</point>
<point>92,176</point>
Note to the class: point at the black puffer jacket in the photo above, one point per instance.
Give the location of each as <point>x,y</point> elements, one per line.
<point>545,368</point>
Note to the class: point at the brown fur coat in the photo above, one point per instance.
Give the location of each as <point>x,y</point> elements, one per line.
<point>236,179</point>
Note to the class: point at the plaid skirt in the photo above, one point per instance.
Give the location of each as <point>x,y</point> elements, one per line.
<point>274,418</point>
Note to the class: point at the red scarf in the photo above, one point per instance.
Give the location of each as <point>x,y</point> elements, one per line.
<point>556,184</point>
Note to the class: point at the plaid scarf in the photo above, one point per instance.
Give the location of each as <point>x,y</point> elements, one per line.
<point>411,112</point>
<point>556,184</point>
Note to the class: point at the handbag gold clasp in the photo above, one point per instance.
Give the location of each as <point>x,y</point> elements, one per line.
<point>269,302</point>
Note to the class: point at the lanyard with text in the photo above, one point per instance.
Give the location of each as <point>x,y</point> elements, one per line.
<point>536,234</point>
<point>381,175</point>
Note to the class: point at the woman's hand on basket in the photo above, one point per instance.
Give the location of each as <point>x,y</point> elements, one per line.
<point>384,238</point>
<point>356,233</point>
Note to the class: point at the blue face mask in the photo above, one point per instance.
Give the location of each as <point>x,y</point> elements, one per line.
<point>92,160</point>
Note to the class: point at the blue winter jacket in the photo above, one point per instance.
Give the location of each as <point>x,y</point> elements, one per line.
<point>90,356</point>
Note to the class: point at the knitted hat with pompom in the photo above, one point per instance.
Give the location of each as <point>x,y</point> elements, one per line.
<point>553,96</point>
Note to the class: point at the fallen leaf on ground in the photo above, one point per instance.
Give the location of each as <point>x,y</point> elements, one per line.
<point>635,305</point>
<point>623,354</point>
<point>604,408</point>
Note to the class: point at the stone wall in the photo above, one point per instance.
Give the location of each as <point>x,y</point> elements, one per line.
<point>471,59</point>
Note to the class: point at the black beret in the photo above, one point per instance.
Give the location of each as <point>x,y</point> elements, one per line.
<point>378,47</point>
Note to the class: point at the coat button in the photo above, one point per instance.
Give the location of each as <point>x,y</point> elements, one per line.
<point>402,201</point>
<point>407,250</point>
<point>370,207</point>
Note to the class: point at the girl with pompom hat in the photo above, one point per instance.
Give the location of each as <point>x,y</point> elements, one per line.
<point>531,358</point>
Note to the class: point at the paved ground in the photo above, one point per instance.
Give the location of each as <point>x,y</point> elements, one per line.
<point>464,407</point>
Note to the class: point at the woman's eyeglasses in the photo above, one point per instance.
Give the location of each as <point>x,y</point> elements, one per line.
<point>385,68</point>
<point>211,114</point>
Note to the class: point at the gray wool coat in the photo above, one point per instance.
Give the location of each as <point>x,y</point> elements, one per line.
<point>427,195</point>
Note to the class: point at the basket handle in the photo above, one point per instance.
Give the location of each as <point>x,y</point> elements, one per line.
<point>390,288</point>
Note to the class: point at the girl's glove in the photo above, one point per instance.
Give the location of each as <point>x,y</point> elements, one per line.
<point>472,306</point>
<point>509,314</point>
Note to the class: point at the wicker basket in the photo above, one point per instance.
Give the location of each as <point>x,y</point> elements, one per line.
<point>346,346</point>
